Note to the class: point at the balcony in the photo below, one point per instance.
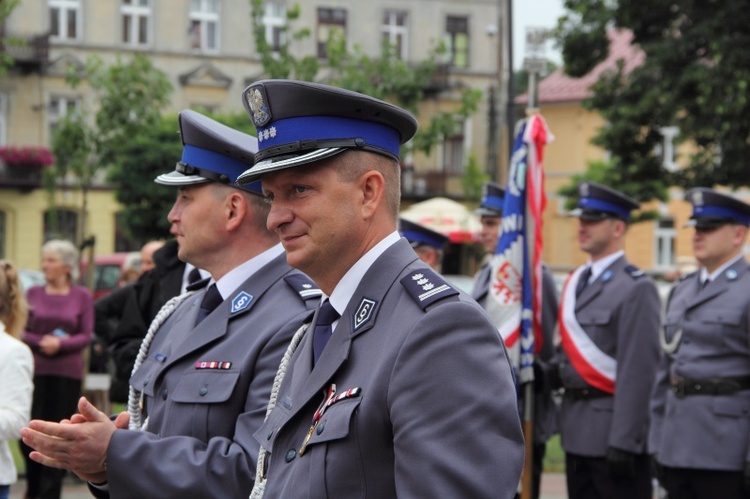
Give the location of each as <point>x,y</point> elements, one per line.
<point>23,179</point>
<point>417,185</point>
<point>31,55</point>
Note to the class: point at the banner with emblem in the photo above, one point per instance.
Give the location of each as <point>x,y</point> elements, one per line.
<point>515,297</point>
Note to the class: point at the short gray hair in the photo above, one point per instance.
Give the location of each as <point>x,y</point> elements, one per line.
<point>67,252</point>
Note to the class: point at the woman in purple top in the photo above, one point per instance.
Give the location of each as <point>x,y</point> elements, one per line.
<point>60,325</point>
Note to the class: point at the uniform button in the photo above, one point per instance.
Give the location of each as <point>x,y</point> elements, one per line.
<point>203,391</point>
<point>321,426</point>
<point>290,455</point>
<point>164,394</point>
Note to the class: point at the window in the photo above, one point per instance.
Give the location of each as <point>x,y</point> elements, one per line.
<point>3,234</point>
<point>395,32</point>
<point>457,41</point>
<point>274,19</point>
<point>667,150</point>
<point>331,22</point>
<point>65,19</point>
<point>453,154</point>
<point>59,107</point>
<point>665,238</point>
<point>204,25</point>
<point>61,224</point>
<point>136,22</point>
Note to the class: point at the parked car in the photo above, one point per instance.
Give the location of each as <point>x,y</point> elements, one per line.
<point>108,270</point>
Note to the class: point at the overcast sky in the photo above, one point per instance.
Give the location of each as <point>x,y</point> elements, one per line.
<point>534,13</point>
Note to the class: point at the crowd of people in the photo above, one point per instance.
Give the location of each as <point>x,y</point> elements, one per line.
<point>296,338</point>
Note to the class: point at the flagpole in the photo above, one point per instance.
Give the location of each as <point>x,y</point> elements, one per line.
<point>535,39</point>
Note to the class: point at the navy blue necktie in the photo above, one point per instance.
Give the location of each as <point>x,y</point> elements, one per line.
<point>211,300</point>
<point>194,276</point>
<point>583,281</point>
<point>323,330</point>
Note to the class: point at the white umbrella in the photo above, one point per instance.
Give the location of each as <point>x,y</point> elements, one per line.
<point>447,217</point>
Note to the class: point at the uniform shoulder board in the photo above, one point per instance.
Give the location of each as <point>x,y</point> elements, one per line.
<point>426,286</point>
<point>198,284</point>
<point>303,285</point>
<point>634,272</point>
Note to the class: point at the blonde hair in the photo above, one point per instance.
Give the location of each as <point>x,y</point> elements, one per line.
<point>13,307</point>
<point>68,254</point>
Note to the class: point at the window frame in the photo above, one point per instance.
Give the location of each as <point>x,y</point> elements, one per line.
<point>324,26</point>
<point>64,8</point>
<point>452,37</point>
<point>397,34</point>
<point>204,17</point>
<point>136,12</point>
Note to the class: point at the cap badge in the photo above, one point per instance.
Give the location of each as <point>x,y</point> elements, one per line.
<point>698,198</point>
<point>258,107</point>
<point>364,312</point>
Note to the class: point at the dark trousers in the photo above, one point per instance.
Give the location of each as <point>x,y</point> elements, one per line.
<point>589,478</point>
<point>687,483</point>
<point>55,398</point>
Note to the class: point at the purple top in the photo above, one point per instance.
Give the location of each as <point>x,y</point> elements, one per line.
<point>72,313</point>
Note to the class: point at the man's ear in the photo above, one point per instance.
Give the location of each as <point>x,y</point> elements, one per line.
<point>372,184</point>
<point>236,209</point>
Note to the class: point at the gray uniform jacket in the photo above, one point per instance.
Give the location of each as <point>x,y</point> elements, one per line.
<point>705,431</point>
<point>435,414</point>
<point>199,439</point>
<point>620,312</point>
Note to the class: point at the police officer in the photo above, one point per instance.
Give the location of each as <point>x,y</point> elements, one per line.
<point>428,244</point>
<point>401,386</point>
<point>700,425</point>
<point>490,213</point>
<point>202,379</point>
<point>609,324</point>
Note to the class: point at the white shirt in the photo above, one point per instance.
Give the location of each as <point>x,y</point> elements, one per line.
<point>233,279</point>
<point>346,287</point>
<point>602,264</point>
<point>16,389</point>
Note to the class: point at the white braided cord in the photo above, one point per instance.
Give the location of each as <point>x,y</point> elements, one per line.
<point>260,480</point>
<point>134,408</point>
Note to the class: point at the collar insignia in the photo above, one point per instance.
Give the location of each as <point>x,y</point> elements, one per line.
<point>241,302</point>
<point>364,312</point>
<point>731,274</point>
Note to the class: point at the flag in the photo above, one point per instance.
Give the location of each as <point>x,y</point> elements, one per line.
<point>515,297</point>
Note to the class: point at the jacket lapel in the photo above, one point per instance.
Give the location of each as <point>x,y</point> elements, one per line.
<point>239,303</point>
<point>595,288</point>
<point>359,317</point>
<point>720,285</point>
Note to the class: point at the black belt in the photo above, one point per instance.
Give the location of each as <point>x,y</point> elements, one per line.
<point>586,393</point>
<point>713,386</point>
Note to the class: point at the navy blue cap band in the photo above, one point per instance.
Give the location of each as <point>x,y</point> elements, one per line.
<point>494,202</point>
<point>303,128</point>
<point>422,238</point>
<point>601,205</point>
<point>213,161</point>
<point>720,212</point>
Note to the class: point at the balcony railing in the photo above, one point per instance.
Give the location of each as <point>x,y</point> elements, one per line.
<point>30,55</point>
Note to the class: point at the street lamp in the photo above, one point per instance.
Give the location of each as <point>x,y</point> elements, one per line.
<point>535,60</point>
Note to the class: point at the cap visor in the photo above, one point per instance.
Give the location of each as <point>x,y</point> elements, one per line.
<point>486,212</point>
<point>284,162</point>
<point>177,178</point>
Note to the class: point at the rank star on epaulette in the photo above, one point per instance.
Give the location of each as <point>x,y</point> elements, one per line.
<point>426,287</point>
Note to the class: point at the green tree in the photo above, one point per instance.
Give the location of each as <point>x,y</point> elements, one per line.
<point>130,96</point>
<point>6,59</point>
<point>695,76</point>
<point>384,77</point>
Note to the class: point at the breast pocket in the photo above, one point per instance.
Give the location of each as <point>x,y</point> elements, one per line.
<point>202,400</point>
<point>597,324</point>
<point>728,327</point>
<point>336,422</point>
